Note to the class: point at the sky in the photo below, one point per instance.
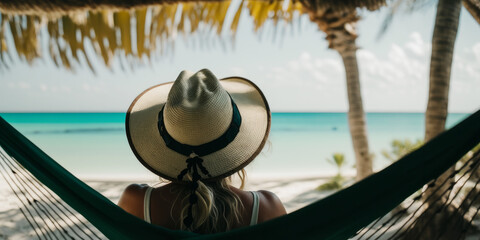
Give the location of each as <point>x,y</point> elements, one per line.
<point>296,71</point>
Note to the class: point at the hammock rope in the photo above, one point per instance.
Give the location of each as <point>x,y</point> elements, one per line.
<point>43,204</point>
<point>339,216</point>
<point>27,204</point>
<point>28,217</point>
<point>36,202</point>
<point>381,227</point>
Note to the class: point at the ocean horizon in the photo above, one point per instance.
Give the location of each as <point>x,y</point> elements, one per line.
<point>93,145</point>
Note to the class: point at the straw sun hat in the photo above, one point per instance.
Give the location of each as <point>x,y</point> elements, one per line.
<point>211,128</point>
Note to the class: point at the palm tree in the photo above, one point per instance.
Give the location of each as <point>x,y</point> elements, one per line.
<point>341,34</point>
<point>431,222</point>
<point>443,42</point>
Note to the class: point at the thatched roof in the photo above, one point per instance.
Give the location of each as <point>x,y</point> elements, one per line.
<point>344,6</point>
<point>130,34</point>
<point>107,27</point>
<point>39,7</point>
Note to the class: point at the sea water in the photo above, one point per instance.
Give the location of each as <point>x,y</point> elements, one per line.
<point>94,145</point>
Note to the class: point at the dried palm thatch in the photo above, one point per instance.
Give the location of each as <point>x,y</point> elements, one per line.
<point>133,35</point>
<point>55,7</point>
<point>343,6</point>
<point>136,34</point>
<point>35,7</point>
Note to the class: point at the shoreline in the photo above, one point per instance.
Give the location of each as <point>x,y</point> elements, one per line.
<point>251,176</point>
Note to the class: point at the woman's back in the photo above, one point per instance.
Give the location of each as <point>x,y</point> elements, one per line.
<point>165,209</point>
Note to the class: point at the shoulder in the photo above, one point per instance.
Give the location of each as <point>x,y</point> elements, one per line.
<point>132,198</point>
<point>270,206</point>
<point>134,191</point>
<point>135,188</point>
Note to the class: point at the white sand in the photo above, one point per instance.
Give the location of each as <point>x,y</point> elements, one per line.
<point>294,192</point>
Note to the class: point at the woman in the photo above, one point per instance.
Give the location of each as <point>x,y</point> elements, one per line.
<point>197,132</point>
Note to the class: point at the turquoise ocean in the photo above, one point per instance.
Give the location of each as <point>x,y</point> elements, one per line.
<point>94,145</point>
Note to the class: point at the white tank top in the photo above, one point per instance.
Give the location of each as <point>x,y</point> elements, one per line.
<point>148,193</point>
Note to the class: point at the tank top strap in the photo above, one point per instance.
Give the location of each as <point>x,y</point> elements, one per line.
<point>255,208</point>
<point>146,205</point>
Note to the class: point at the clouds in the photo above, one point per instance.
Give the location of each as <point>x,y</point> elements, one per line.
<point>18,85</point>
<point>307,70</point>
<point>39,87</point>
<point>307,79</point>
<point>465,78</point>
<point>304,83</point>
<point>467,63</point>
<point>398,81</point>
<point>417,46</point>
<point>476,51</point>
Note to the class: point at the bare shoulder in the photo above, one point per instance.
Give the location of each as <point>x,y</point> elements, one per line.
<point>131,199</point>
<point>270,206</point>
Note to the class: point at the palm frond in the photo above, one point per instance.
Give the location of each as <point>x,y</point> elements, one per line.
<point>398,6</point>
<point>132,35</point>
<point>473,7</point>
<point>135,35</point>
<point>60,7</point>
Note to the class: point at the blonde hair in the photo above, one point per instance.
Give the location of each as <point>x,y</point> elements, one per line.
<point>218,208</point>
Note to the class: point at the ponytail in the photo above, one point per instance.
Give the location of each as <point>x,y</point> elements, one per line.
<point>217,208</point>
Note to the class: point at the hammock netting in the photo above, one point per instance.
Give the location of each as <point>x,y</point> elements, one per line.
<point>390,204</point>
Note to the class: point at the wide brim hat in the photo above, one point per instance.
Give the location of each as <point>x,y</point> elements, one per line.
<point>198,110</point>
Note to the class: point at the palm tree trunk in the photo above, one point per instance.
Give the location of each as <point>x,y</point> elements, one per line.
<point>356,114</point>
<point>443,42</point>
<point>341,34</point>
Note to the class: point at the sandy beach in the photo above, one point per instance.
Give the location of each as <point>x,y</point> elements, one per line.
<point>295,192</point>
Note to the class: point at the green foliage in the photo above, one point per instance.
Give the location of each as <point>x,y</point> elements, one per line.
<point>401,148</point>
<point>334,183</point>
<point>338,160</point>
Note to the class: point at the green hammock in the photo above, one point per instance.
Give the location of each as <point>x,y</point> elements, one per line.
<point>338,216</point>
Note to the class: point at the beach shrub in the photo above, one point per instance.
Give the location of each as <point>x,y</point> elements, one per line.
<point>337,181</point>
<point>401,148</point>
<point>338,160</point>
